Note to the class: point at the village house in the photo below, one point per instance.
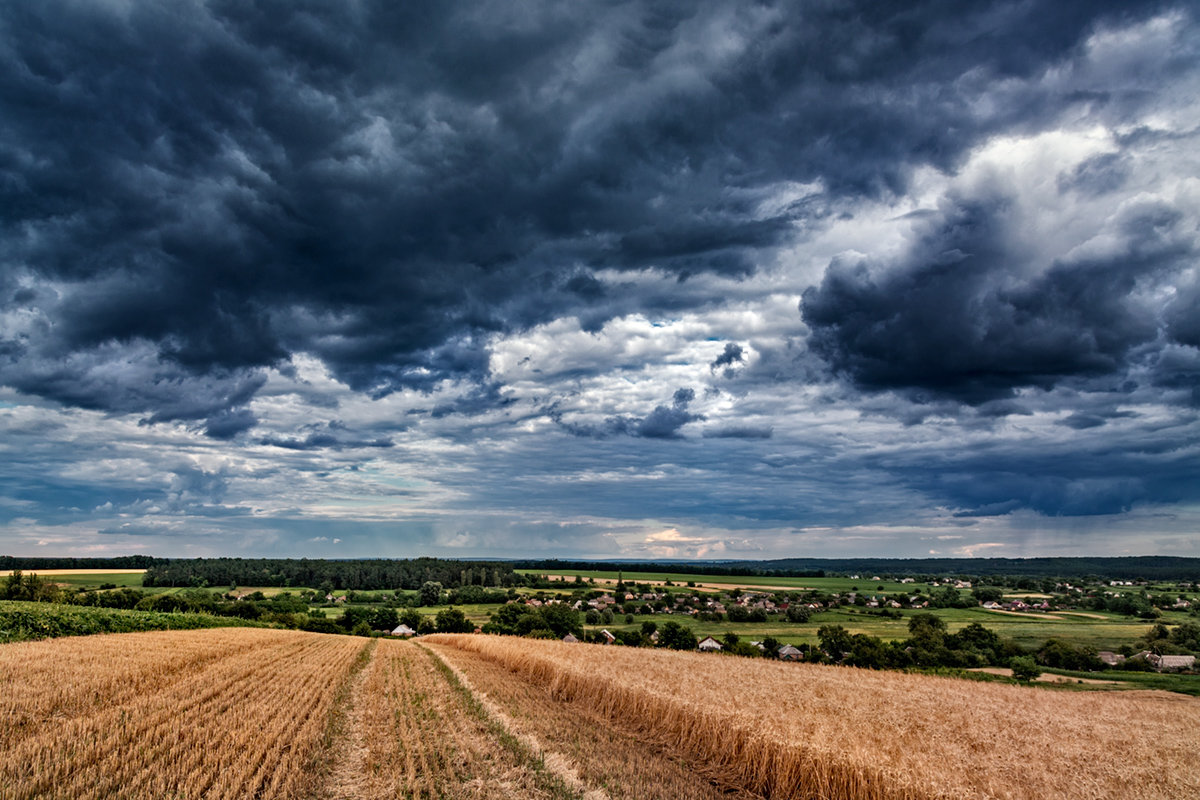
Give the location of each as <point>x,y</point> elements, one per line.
<point>1171,663</point>
<point>608,637</point>
<point>789,653</point>
<point>403,630</point>
<point>708,644</point>
<point>570,639</point>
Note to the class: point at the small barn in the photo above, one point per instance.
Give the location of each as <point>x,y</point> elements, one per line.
<point>1172,663</point>
<point>789,653</point>
<point>570,639</point>
<point>708,643</point>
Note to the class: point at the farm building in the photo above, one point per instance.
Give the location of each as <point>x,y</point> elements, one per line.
<point>1170,663</point>
<point>403,630</point>
<point>570,639</point>
<point>709,643</point>
<point>789,653</point>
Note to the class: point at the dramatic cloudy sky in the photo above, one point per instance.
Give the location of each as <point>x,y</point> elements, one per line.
<point>639,279</point>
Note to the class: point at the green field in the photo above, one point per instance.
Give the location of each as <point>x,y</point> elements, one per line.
<point>1107,634</point>
<point>133,579</point>
<point>861,584</point>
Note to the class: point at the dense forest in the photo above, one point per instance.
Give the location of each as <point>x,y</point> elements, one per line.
<point>33,564</point>
<point>1163,568</point>
<point>333,575</point>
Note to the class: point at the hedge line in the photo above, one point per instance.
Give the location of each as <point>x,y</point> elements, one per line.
<point>20,621</point>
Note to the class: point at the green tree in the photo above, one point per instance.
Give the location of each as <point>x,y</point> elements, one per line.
<point>674,636</point>
<point>834,640</point>
<point>453,620</point>
<point>384,619</point>
<point>410,617</point>
<point>431,593</point>
<point>561,619</point>
<point>1024,668</point>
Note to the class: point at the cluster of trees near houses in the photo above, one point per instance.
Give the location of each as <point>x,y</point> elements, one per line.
<point>929,644</point>
<point>361,575</point>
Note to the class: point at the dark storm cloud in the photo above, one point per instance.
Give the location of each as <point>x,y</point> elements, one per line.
<point>219,186</point>
<point>664,422</point>
<point>739,432</point>
<point>964,315</point>
<point>321,441</point>
<point>732,354</point>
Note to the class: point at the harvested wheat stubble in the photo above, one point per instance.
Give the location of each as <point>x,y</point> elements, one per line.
<point>212,713</point>
<point>800,730</point>
<point>628,767</point>
<point>421,741</point>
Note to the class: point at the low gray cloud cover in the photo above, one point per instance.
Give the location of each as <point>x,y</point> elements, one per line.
<point>643,279</point>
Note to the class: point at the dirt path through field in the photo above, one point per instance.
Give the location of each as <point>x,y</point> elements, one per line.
<point>347,778</point>
<point>1021,614</point>
<point>1046,677</point>
<point>556,763</point>
<point>628,764</point>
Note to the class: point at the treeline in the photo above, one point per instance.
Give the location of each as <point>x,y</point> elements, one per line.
<point>21,621</point>
<point>329,575</point>
<point>8,563</point>
<point>554,566</point>
<point>1160,568</point>
<point>1152,568</point>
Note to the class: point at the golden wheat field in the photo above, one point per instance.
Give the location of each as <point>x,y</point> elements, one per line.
<point>254,713</point>
<point>797,730</point>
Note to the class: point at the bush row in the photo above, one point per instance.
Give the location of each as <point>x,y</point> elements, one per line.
<point>20,621</point>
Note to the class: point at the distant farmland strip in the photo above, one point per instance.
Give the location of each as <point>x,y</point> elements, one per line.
<point>796,730</point>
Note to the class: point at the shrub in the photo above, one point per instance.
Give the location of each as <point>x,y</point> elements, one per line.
<point>1024,668</point>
